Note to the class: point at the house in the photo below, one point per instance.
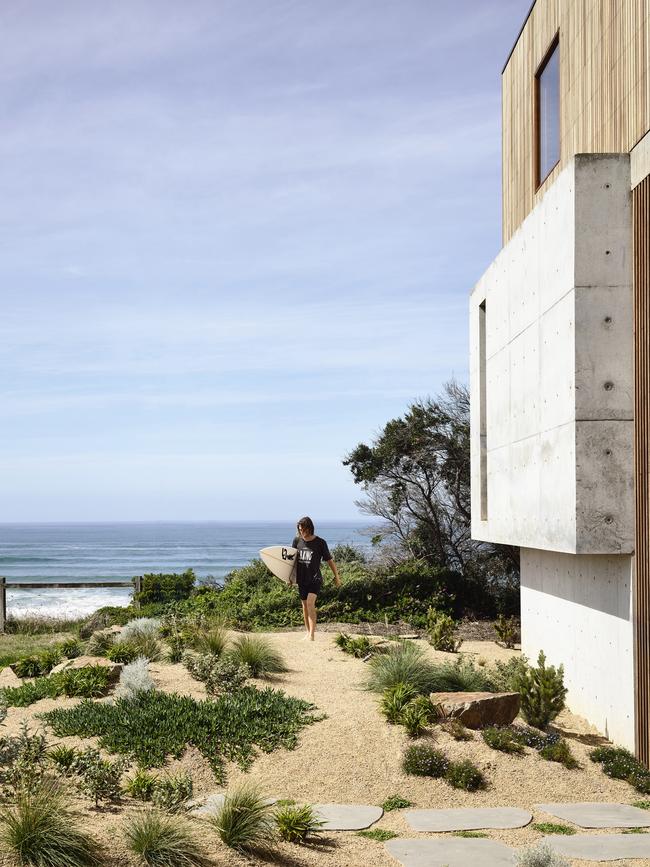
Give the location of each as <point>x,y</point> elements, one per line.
<point>560,354</point>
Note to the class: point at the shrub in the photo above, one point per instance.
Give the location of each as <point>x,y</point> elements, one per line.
<point>540,855</point>
<point>162,840</point>
<point>219,674</point>
<point>123,651</point>
<point>506,630</point>
<point>63,758</point>
<point>245,820</point>
<point>134,679</point>
<point>394,700</point>
<point>23,760</point>
<point>255,652</point>
<point>395,802</point>
<point>502,739</point>
<point>416,716</point>
<point>442,631</point>
<point>172,793</point>
<point>343,553</point>
<point>99,779</point>
<point>457,730</point>
<point>141,785</point>
<point>160,587</point>
<point>465,775</point>
<point>91,681</point>
<point>553,828</point>
<point>542,692</point>
<point>378,834</point>
<point>100,642</point>
<point>421,760</point>
<point>294,824</point>
<point>561,753</point>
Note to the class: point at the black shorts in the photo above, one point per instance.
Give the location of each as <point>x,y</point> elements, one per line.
<point>310,585</point>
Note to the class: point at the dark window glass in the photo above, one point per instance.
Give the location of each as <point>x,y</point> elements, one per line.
<point>548,114</point>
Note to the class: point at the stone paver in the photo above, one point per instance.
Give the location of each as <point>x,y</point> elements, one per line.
<point>601,847</point>
<point>467,819</point>
<point>599,815</point>
<point>347,817</point>
<point>450,853</point>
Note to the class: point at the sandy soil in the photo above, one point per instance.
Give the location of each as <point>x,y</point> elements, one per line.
<point>353,756</point>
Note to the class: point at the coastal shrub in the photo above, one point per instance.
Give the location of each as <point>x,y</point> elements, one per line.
<point>442,631</point>
<point>560,752</point>
<point>63,758</point>
<point>100,642</point>
<point>542,692</point>
<point>171,793</point>
<point>100,779</point>
<point>394,700</point>
<point>162,840</point>
<point>457,730</point>
<point>141,785</point>
<point>421,760</point>
<point>134,679</point>
<point>246,819</point>
<point>22,761</point>
<point>258,654</point>
<point>502,739</point>
<point>89,682</point>
<point>155,725</point>
<point>540,855</point>
<point>379,835</point>
<point>395,802</point>
<point>359,646</point>
<point>39,829</point>
<point>219,674</point>
<point>531,737</point>
<point>294,824</point>
<point>506,630</point>
<point>345,553</point>
<point>465,775</point>
<point>122,651</point>
<point>160,587</point>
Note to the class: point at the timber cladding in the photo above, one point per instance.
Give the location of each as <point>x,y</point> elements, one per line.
<point>641,222</point>
<point>604,90</point>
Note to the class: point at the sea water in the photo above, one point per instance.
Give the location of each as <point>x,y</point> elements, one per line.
<point>116,552</point>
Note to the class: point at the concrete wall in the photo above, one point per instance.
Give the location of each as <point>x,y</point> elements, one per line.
<point>558,438</point>
<point>578,610</point>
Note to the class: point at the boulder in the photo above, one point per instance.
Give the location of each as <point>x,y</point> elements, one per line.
<point>8,677</point>
<point>478,709</point>
<point>85,661</point>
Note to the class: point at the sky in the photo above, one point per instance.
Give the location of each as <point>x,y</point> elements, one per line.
<point>236,238</point>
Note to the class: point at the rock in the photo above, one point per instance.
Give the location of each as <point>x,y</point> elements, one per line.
<point>85,661</point>
<point>8,677</point>
<point>478,709</point>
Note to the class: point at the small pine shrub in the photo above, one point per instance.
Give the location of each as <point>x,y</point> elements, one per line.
<point>123,651</point>
<point>395,802</point>
<point>63,758</point>
<point>161,840</point>
<point>442,631</point>
<point>134,679</point>
<point>506,630</point>
<point>100,779</point>
<point>258,654</point>
<point>502,739</point>
<point>394,700</point>
<point>141,785</point>
<point>377,834</point>
<point>457,730</point>
<point>465,775</point>
<point>421,760</point>
<point>173,792</point>
<point>220,674</point>
<point>294,824</point>
<point>560,752</point>
<point>246,820</point>
<point>542,693</point>
<point>100,642</point>
<point>553,828</point>
<point>540,855</point>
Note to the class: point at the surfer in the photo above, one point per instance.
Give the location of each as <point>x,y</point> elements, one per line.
<point>312,550</point>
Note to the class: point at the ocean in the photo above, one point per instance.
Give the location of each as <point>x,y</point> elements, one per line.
<point>118,551</point>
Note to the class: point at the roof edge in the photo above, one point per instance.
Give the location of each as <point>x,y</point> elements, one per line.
<point>521,30</point>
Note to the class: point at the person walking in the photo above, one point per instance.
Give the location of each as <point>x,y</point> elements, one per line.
<point>312,551</point>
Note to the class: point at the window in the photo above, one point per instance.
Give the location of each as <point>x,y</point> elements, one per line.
<point>547,112</point>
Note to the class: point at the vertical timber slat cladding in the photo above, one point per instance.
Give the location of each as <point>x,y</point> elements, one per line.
<point>604,90</point>
<point>641,221</point>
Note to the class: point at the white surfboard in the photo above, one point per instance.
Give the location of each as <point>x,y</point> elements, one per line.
<point>281,560</point>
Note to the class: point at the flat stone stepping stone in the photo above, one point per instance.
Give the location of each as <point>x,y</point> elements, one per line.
<point>451,853</point>
<point>598,815</point>
<point>600,847</point>
<point>469,819</point>
<point>347,817</point>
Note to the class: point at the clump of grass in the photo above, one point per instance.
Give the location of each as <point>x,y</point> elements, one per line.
<point>377,834</point>
<point>172,793</point>
<point>395,802</point>
<point>394,700</point>
<point>642,805</point>
<point>161,840</point>
<point>39,665</point>
<point>465,775</point>
<point>134,679</point>
<point>294,824</point>
<point>71,648</point>
<point>502,739</point>
<point>553,828</point>
<point>213,638</point>
<point>470,834</point>
<point>41,830</point>
<point>421,760</point>
<point>560,752</point>
<point>258,654</point>
<point>416,716</point>
<point>100,642</point>
<point>63,758</point>
<point>245,821</point>
<point>360,646</point>
<point>141,785</point>
<point>91,681</point>
<point>404,665</point>
<point>122,651</point>
<point>540,855</point>
<point>457,730</point>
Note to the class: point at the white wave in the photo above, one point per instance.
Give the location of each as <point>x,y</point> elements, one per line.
<point>64,603</point>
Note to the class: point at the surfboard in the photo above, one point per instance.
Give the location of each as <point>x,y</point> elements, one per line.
<point>281,560</point>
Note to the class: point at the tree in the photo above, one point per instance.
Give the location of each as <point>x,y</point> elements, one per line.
<point>416,476</point>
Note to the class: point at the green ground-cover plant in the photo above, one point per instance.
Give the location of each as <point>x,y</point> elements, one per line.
<point>220,674</point>
<point>421,760</point>
<point>465,775</point>
<point>379,835</point>
<point>642,805</point>
<point>295,823</point>
<point>442,630</point>
<point>123,651</point>
<point>560,752</point>
<point>258,654</point>
<point>141,785</point>
<point>162,840</point>
<point>395,802</point>
<point>38,665</point>
<point>91,681</point>
<point>470,834</point>
<point>553,828</point>
<point>155,725</point>
<point>506,630</point>
<point>246,820</point>
<point>359,646</point>
<point>502,739</point>
<point>171,793</point>
<point>620,764</point>
<point>634,831</point>
<point>40,829</point>
<point>542,692</point>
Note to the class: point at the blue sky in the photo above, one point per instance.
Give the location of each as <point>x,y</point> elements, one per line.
<point>236,238</point>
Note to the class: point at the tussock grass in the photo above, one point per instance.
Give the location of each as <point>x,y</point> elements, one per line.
<point>162,840</point>
<point>246,820</point>
<point>258,654</point>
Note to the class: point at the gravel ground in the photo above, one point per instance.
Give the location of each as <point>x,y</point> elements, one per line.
<point>354,756</point>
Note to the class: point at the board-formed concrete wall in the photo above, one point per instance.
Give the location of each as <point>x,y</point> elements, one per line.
<point>578,610</point>
<point>558,367</point>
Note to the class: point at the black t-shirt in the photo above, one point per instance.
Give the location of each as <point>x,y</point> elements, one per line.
<point>310,556</point>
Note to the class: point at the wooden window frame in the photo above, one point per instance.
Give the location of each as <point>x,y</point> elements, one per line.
<point>555,43</point>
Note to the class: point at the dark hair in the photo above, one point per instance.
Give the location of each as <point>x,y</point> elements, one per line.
<point>306,524</point>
